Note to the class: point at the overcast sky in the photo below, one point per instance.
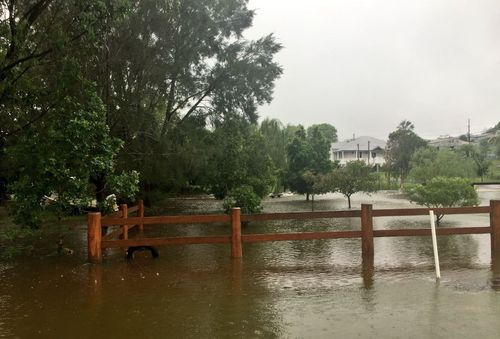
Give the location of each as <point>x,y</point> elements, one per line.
<point>364,66</point>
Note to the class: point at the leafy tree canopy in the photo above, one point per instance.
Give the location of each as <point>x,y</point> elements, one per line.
<point>403,142</point>
<point>354,177</point>
<point>239,158</point>
<point>307,154</point>
<point>430,162</point>
<point>443,192</point>
<point>328,131</point>
<point>479,155</point>
<point>59,159</point>
<point>37,38</point>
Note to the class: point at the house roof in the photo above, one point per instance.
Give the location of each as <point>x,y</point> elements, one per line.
<point>352,144</point>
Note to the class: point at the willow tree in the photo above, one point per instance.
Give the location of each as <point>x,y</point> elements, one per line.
<point>273,132</point>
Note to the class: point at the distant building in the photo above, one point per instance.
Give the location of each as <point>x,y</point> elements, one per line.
<point>368,149</point>
<point>447,142</point>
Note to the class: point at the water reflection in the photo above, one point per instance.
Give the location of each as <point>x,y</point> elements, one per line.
<point>495,271</point>
<point>368,270</point>
<point>454,250</point>
<point>283,289</point>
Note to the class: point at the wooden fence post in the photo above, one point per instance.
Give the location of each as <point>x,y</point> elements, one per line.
<point>140,214</point>
<point>495,226</point>
<point>94,237</point>
<point>236,247</point>
<point>366,230</point>
<point>124,209</point>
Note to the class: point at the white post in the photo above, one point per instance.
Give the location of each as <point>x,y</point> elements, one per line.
<point>434,245</point>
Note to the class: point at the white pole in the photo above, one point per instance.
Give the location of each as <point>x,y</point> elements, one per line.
<point>434,245</point>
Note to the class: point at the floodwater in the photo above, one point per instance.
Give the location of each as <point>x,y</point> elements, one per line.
<point>301,289</point>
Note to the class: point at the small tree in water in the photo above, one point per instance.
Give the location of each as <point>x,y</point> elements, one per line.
<point>245,198</point>
<point>443,192</point>
<point>354,177</point>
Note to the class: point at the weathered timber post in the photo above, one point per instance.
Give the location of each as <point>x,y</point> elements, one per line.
<point>236,247</point>
<point>94,237</point>
<point>124,209</point>
<point>495,226</point>
<point>366,230</point>
<point>140,214</point>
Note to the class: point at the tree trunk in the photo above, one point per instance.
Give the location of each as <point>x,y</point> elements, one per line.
<point>307,196</point>
<point>349,201</point>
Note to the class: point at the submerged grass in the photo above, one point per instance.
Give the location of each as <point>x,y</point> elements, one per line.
<point>17,241</point>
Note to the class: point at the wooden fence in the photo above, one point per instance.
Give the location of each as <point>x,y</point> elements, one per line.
<point>96,242</point>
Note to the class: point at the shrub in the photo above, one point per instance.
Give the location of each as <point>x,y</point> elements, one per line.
<point>245,198</point>
<point>443,192</point>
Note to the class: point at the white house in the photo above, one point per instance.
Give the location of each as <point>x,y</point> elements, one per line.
<point>368,149</point>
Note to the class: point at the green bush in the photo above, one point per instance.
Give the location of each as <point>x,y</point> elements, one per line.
<point>15,241</point>
<point>443,192</point>
<point>245,198</point>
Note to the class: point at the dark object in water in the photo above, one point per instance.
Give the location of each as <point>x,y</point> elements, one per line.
<point>132,249</point>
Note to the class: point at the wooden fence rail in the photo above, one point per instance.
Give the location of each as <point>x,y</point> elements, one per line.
<point>96,242</point>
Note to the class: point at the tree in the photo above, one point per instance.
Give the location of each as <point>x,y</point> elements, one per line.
<point>354,177</point>
<point>443,192</point>
<point>273,132</point>
<point>166,66</point>
<point>403,142</point>
<point>59,159</point>
<point>41,41</point>
<point>239,158</point>
<point>309,153</point>
<point>37,37</point>
<point>328,131</point>
<point>479,154</point>
<point>243,197</point>
<point>320,151</point>
<point>430,162</point>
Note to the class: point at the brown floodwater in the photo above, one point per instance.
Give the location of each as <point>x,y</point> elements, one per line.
<point>301,289</point>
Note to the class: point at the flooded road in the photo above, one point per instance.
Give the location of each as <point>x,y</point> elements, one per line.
<point>301,289</point>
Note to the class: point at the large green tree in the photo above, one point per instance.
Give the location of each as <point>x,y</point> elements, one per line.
<point>59,160</point>
<point>403,142</point>
<point>167,64</point>
<point>238,158</point>
<point>307,155</point>
<point>37,37</point>
<point>328,131</point>
<point>427,163</point>
<point>274,135</point>
<point>165,71</point>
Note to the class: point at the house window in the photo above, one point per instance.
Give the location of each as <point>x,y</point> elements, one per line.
<point>374,154</point>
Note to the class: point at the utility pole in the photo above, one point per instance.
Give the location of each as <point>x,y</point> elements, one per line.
<point>369,153</point>
<point>468,130</point>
